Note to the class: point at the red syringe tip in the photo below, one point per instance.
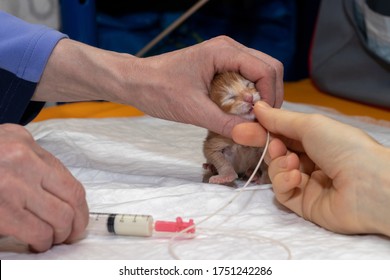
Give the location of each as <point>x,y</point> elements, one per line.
<point>177,226</point>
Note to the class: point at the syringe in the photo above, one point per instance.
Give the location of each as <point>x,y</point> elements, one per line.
<point>136,225</point>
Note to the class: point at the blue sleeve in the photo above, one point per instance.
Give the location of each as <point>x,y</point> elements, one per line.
<point>24,51</point>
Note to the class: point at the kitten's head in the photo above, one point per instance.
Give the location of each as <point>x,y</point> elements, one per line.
<point>234,94</point>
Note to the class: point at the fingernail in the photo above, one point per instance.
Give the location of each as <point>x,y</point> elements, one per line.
<point>262,104</point>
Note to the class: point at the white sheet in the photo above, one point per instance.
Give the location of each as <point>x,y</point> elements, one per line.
<point>150,166</point>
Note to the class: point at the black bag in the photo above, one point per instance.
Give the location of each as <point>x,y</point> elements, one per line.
<point>346,60</point>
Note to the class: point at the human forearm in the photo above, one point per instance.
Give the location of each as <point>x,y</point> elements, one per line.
<point>77,72</point>
<point>172,86</point>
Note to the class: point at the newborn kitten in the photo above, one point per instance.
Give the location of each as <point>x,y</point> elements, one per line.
<point>226,160</point>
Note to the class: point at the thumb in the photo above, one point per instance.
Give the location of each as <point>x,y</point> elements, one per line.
<point>225,124</point>
<point>287,125</point>
<point>281,122</point>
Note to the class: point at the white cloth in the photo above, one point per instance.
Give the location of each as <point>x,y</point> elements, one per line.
<point>150,166</point>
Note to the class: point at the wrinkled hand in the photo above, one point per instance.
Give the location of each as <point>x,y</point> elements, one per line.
<point>327,172</point>
<point>41,203</point>
<point>179,82</point>
<point>172,86</point>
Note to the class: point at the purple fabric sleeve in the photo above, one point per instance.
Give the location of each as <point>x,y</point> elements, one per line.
<point>24,47</point>
<point>24,51</point>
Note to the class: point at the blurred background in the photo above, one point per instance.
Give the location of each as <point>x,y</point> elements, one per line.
<point>281,28</point>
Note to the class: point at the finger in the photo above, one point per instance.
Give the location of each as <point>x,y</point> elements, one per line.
<point>15,219</point>
<point>288,182</point>
<point>288,189</point>
<point>253,134</point>
<point>59,182</point>
<point>276,100</point>
<point>253,65</point>
<point>53,211</point>
<point>249,134</point>
<point>276,149</point>
<point>265,79</point>
<point>281,122</point>
<point>274,66</point>
<point>39,235</point>
<point>75,198</point>
<point>277,121</point>
<point>282,164</point>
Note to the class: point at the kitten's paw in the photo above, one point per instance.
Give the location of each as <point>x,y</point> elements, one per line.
<point>222,179</point>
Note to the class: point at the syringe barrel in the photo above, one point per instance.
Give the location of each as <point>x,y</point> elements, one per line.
<point>121,224</point>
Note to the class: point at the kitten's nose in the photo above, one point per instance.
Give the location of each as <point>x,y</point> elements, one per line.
<point>248,98</point>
